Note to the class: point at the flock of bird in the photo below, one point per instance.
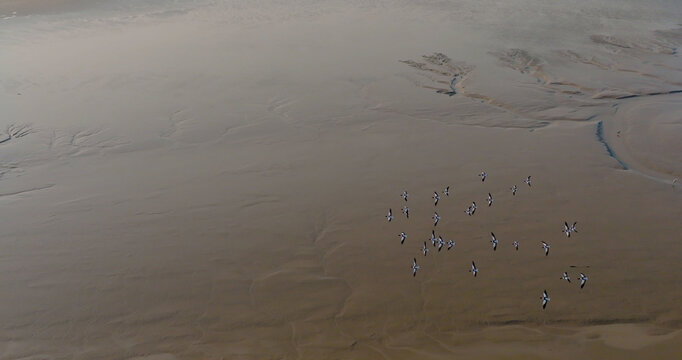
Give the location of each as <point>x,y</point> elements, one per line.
<point>438,241</point>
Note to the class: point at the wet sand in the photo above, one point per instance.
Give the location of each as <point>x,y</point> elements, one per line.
<point>211,180</point>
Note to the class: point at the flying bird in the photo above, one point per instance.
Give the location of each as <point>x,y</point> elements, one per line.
<point>390,215</point>
<point>490,199</point>
<point>483,175</point>
<point>425,249</point>
<point>574,227</point>
<point>516,245</point>
<point>565,277</point>
<point>436,197</point>
<point>494,241</point>
<point>402,236</point>
<point>415,267</point>
<point>468,211</point>
<point>406,211</point>
<point>545,299</point>
<point>450,244</point>
<point>567,229</point>
<point>434,239</point>
<point>473,207</point>
<point>546,247</point>
<point>514,189</point>
<point>435,218</point>
<point>527,181</point>
<point>474,269</point>
<point>440,243</point>
<point>583,280</point>
<point>404,195</point>
<point>446,191</point>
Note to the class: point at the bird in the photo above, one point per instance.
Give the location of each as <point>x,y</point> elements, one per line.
<point>474,269</point>
<point>436,197</point>
<point>450,244</point>
<point>567,229</point>
<point>574,227</point>
<point>546,247</point>
<point>565,277</point>
<point>425,249</point>
<point>527,181</point>
<point>494,241</point>
<point>446,191</point>
<point>545,299</point>
<point>473,207</point>
<point>402,236</point>
<point>415,267</point>
<point>490,199</point>
<point>405,195</point>
<point>483,175</point>
<point>583,280</point>
<point>440,243</point>
<point>434,239</point>
<point>435,218</point>
<point>406,211</point>
<point>514,189</point>
<point>516,245</point>
<point>390,215</point>
<point>468,210</point>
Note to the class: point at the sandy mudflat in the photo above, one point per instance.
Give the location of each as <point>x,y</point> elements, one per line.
<point>209,179</point>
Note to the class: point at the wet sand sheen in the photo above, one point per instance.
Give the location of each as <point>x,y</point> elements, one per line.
<point>212,183</point>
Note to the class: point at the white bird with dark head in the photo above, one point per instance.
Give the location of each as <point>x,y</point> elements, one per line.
<point>435,218</point>
<point>415,267</point>
<point>474,269</point>
<point>583,280</point>
<point>566,277</point>
<point>545,299</point>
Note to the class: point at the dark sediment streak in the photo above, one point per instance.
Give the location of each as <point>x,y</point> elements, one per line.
<point>651,94</point>
<point>600,137</point>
